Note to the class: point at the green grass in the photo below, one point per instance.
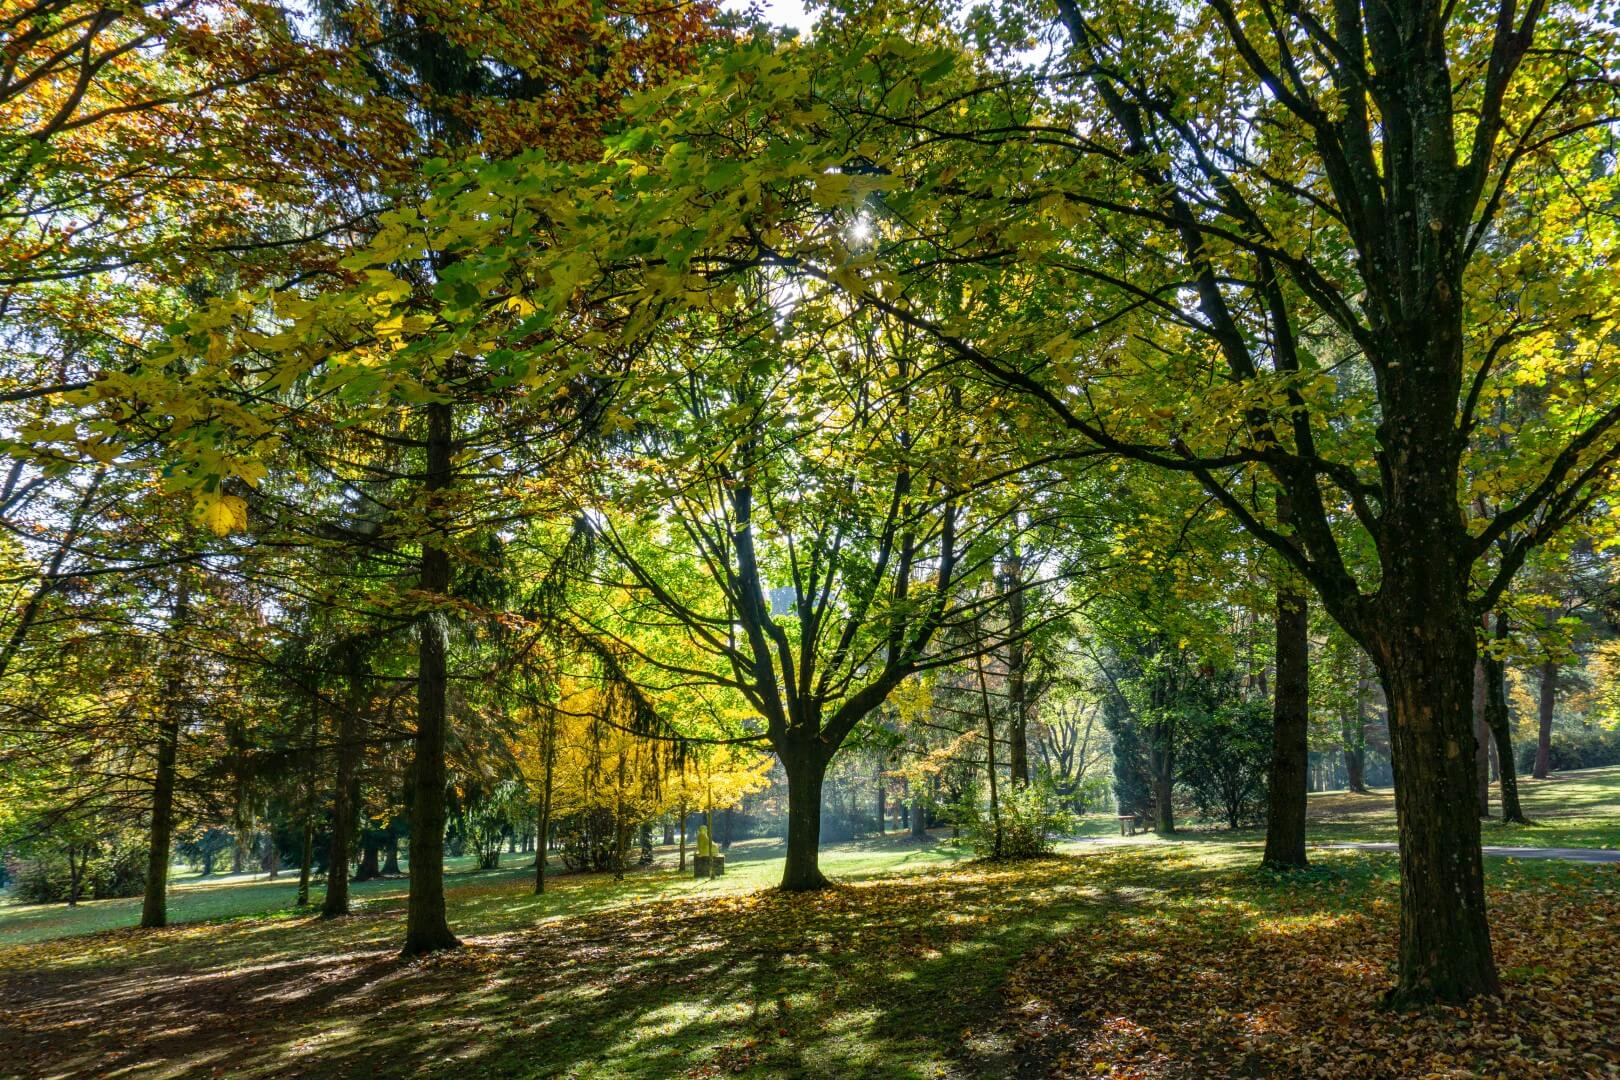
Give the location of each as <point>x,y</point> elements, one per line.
<point>921,963</point>
<point>1573,809</point>
<point>751,865</point>
<point>1108,960</point>
<point>1576,809</point>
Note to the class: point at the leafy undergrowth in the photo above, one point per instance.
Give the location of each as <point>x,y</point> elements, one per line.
<point>1129,961</point>
<point>1262,981</point>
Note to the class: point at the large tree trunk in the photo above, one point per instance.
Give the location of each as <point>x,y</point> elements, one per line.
<point>346,788</point>
<point>919,817</point>
<point>306,862</point>
<point>1290,750</point>
<point>1017,654</point>
<point>370,844</point>
<point>1549,700</point>
<point>1482,742</point>
<point>155,904</point>
<point>426,926</point>
<point>806,768</point>
<point>1355,767</point>
<point>391,852</point>
<point>1445,944</point>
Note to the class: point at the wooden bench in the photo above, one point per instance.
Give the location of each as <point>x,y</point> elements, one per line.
<point>1127,824</point>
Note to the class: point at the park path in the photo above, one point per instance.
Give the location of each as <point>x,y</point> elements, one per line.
<point>1570,854</point>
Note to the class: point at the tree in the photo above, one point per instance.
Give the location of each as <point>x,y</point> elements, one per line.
<point>1224,763</point>
<point>1289,742</point>
<point>154,907</point>
<point>812,579</point>
<point>1361,231</point>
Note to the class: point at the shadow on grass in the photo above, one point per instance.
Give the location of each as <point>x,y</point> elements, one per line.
<point>872,978</point>
<point>1154,954</point>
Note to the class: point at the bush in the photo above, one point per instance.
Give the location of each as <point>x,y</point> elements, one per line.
<point>1224,762</point>
<point>108,871</point>
<point>1589,749</point>
<point>1032,820</point>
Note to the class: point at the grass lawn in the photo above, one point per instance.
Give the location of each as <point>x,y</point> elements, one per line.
<point>1572,809</point>
<point>1116,959</point>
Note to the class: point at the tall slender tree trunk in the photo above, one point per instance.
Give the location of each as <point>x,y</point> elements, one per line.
<point>990,759</point>
<point>1496,717</point>
<point>683,812</point>
<point>1290,749</point>
<point>543,829</point>
<point>346,785</point>
<point>155,903</point>
<point>1548,702</point>
<point>306,848</point>
<point>306,862</point>
<point>806,769</point>
<point>1482,742</point>
<point>1017,656</point>
<point>426,926</point>
<point>882,799</point>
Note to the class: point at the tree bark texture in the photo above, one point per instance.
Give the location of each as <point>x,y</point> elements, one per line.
<point>1482,742</point>
<point>1547,703</point>
<point>1290,721</point>
<point>154,904</point>
<point>346,784</point>
<point>426,926</point>
<point>806,769</point>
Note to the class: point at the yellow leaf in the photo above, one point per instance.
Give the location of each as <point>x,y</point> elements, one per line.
<point>221,513</point>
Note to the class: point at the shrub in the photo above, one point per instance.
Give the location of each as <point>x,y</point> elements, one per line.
<point>1589,749</point>
<point>1032,819</point>
<point>1224,761</point>
<point>108,871</point>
